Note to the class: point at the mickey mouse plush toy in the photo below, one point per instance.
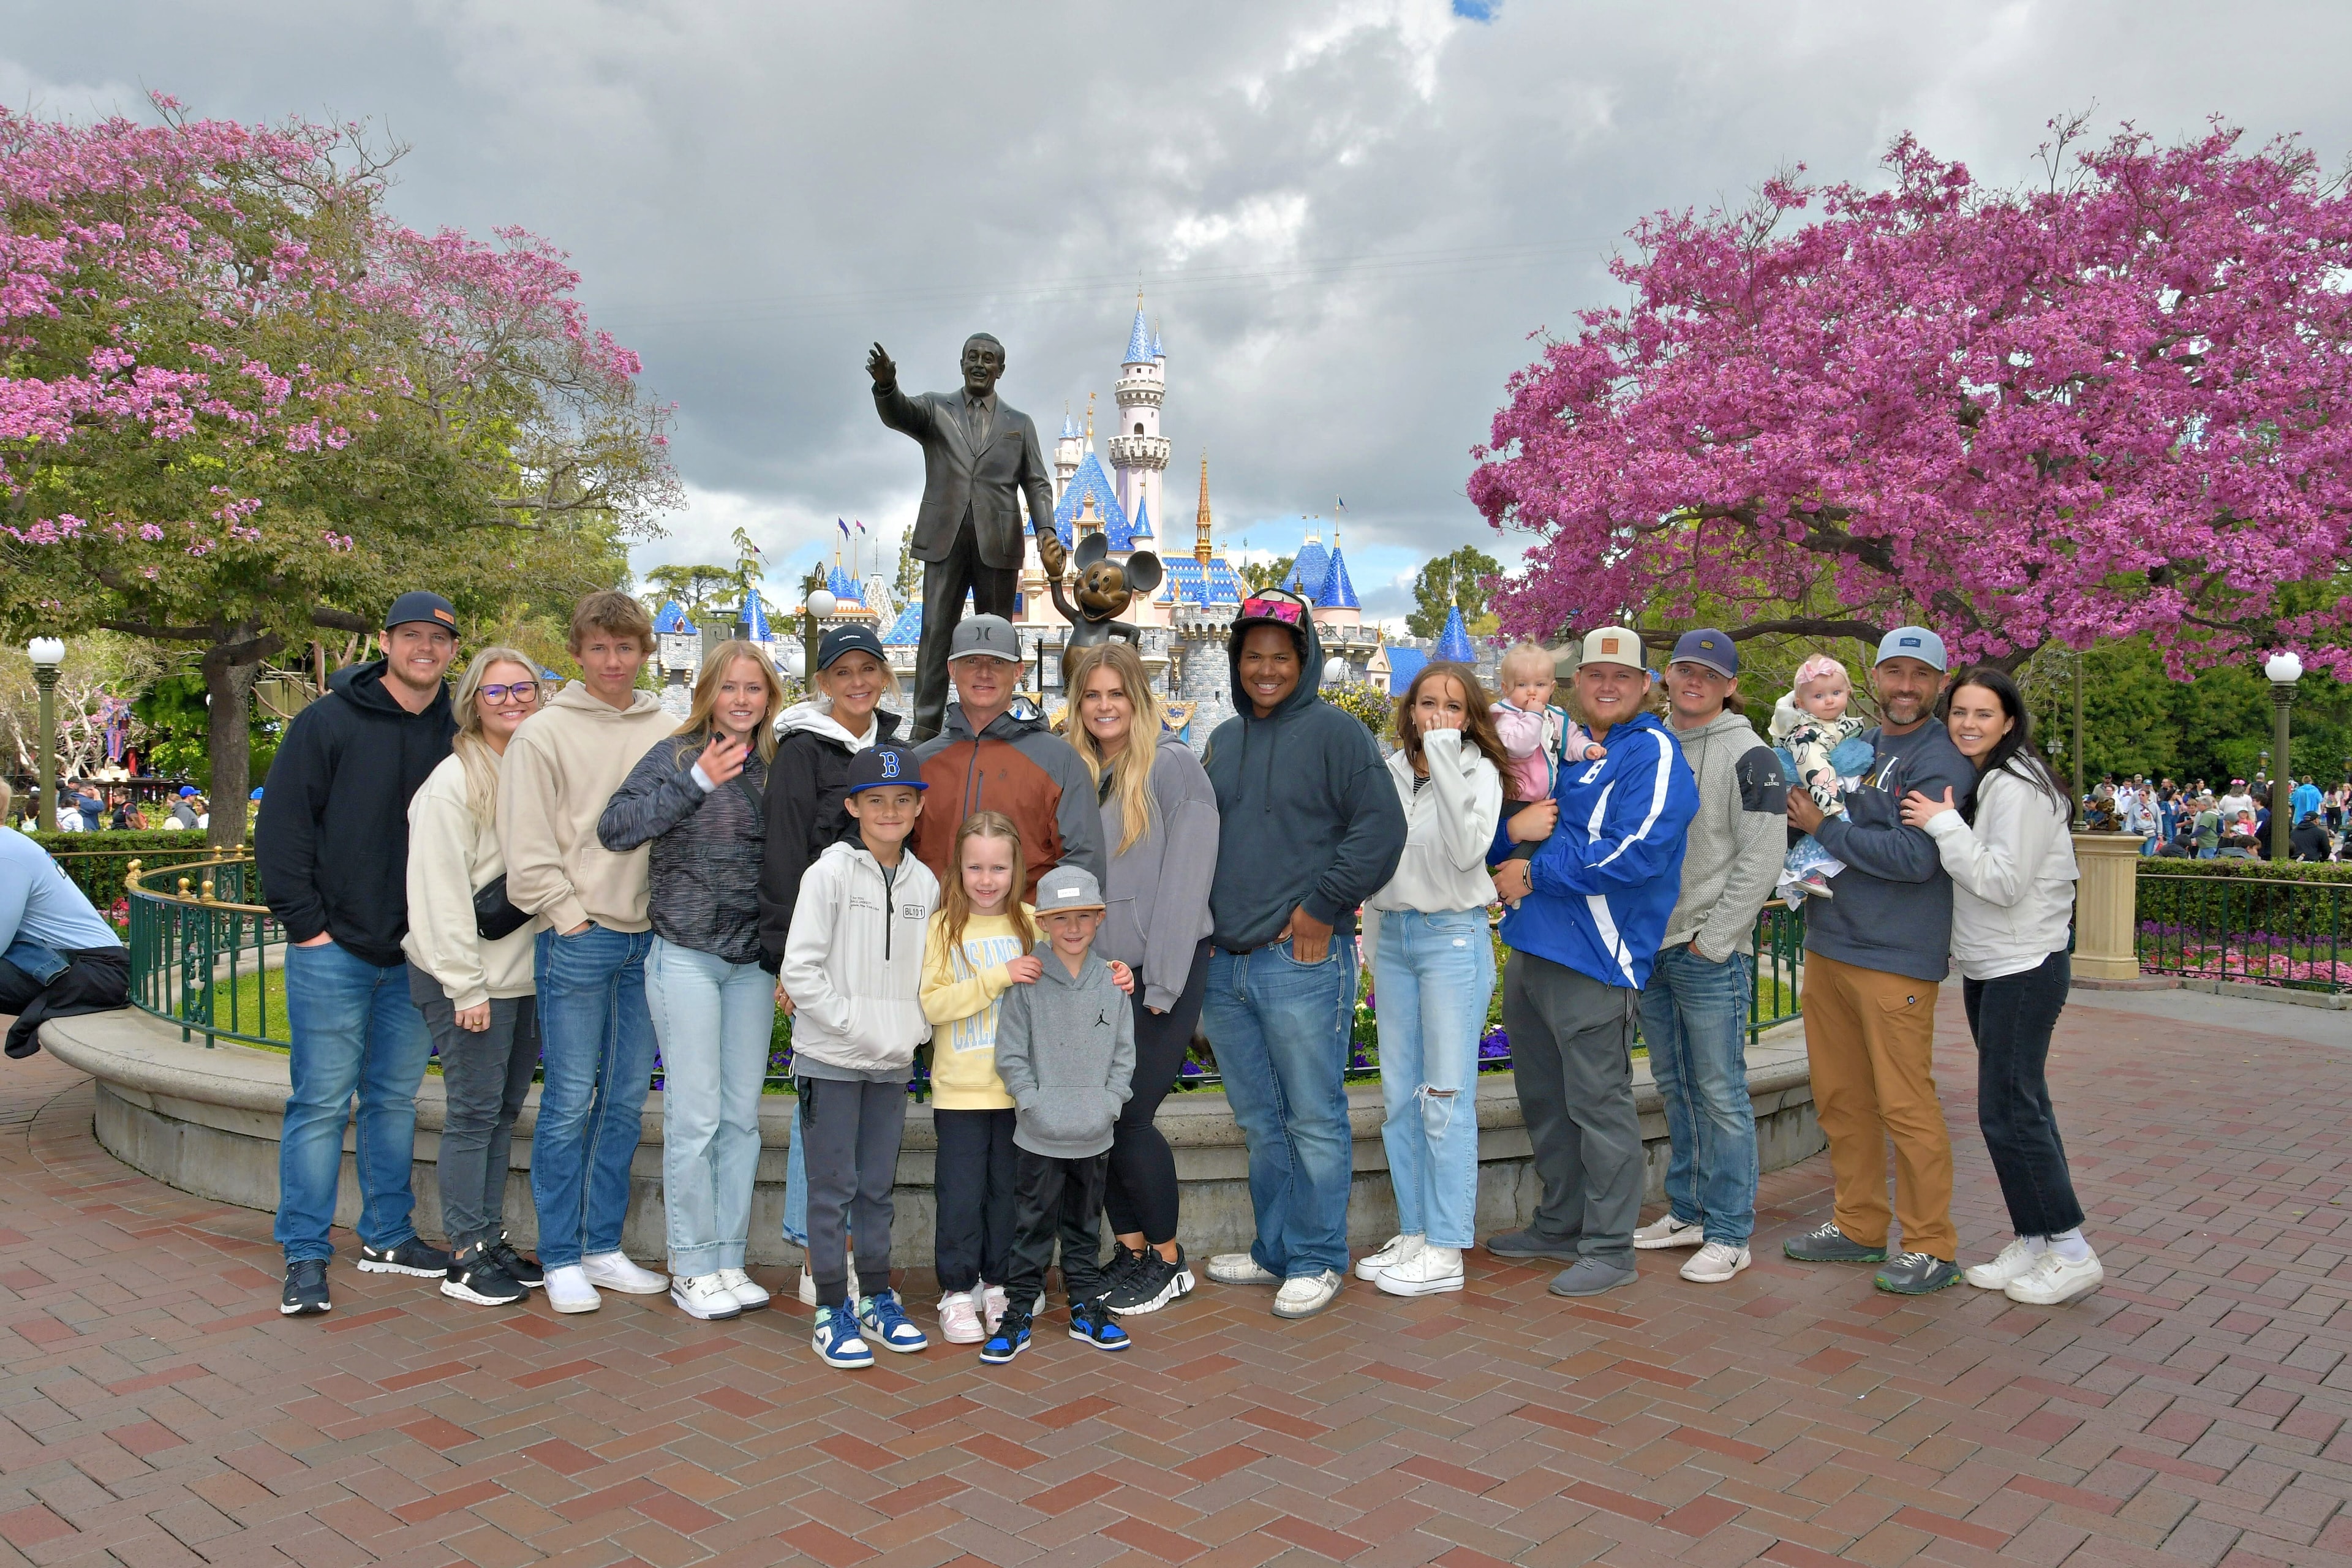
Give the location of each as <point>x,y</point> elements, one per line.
<point>1104,588</point>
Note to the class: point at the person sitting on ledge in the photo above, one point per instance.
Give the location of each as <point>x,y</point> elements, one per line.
<point>59,958</point>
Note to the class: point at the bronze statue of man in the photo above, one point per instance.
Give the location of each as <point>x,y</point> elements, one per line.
<point>979,457</point>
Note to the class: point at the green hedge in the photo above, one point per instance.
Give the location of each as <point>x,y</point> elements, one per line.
<point>2251,870</point>
<point>97,862</point>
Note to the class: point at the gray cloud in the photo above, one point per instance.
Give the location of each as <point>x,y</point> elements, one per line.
<point>1347,216</point>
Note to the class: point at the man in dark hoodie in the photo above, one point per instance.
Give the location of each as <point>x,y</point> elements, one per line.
<point>331,846</point>
<point>1309,828</point>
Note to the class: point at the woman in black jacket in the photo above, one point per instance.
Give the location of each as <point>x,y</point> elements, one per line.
<point>806,781</point>
<point>698,799</point>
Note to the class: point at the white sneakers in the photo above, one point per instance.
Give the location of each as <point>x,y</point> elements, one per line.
<point>960,1318</point>
<point>1712,1264</point>
<point>1429,1271</point>
<point>568,1290</point>
<point>2016,1260</point>
<point>808,1285</point>
<point>1306,1295</point>
<point>992,1306</point>
<point>613,1271</point>
<point>1239,1268</point>
<point>1667,1231</point>
<point>1396,1250</point>
<point>748,1295</point>
<point>705,1296</point>
<point>2054,1281</point>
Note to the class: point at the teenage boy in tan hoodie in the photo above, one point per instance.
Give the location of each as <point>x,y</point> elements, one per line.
<point>596,1036</point>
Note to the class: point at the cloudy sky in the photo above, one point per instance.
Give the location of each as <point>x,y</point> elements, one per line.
<point>1347,217</point>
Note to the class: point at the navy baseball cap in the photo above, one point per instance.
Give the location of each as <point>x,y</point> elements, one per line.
<point>850,638</point>
<point>886,765</point>
<point>419,605</point>
<point>1712,649</point>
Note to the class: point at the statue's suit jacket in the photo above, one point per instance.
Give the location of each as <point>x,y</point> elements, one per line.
<point>990,482</point>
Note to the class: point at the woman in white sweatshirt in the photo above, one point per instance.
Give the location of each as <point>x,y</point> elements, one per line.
<point>2011,861</point>
<point>1433,963</point>
<point>477,992</point>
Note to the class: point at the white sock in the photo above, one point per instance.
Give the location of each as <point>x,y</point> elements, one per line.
<point>2069,1246</point>
<point>2035,1246</point>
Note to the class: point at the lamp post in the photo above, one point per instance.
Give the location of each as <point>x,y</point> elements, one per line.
<point>2284,669</point>
<point>815,606</point>
<point>47,653</point>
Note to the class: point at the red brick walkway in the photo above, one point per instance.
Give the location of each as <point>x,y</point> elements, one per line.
<point>156,1410</point>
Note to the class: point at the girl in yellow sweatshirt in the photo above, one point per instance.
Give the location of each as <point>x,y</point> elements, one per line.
<point>979,944</point>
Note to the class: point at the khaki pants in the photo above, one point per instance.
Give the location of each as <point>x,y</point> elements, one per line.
<point>1870,1038</point>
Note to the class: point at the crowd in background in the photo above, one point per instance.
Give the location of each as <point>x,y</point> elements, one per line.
<point>2194,821</point>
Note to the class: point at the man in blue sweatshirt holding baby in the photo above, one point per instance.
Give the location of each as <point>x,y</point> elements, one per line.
<point>1590,909</point>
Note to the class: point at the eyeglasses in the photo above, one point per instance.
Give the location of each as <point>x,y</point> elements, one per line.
<point>521,691</point>
<point>1283,610</point>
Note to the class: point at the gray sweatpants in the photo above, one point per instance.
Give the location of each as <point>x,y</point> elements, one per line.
<point>486,1076</point>
<point>1571,1056</point>
<point>853,1128</point>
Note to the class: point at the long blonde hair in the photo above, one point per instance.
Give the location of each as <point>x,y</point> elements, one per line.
<point>1130,771</point>
<point>705,693</point>
<point>474,753</point>
<point>955,904</point>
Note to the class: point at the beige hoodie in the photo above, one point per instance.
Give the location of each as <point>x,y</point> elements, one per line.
<point>450,858</point>
<point>558,774</point>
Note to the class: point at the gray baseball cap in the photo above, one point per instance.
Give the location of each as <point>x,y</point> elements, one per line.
<point>1067,888</point>
<point>984,637</point>
<point>1912,642</point>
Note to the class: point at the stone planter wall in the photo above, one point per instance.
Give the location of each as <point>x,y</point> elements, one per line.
<point>206,1121</point>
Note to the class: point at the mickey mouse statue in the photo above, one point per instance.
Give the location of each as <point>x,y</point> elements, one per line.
<point>1105,587</point>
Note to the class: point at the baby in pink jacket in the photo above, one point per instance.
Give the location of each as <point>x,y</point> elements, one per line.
<point>1536,735</point>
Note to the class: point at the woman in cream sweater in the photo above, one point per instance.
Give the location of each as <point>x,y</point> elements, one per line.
<point>2012,866</point>
<point>477,994</point>
<point>1433,963</point>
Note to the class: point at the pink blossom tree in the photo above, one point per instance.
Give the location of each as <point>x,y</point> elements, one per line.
<point>2117,403</point>
<point>240,406</point>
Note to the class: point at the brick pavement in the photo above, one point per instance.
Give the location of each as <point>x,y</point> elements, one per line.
<point>156,1410</point>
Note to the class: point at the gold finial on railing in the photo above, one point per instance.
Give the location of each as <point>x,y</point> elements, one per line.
<point>207,894</point>
<point>183,887</point>
<point>134,871</point>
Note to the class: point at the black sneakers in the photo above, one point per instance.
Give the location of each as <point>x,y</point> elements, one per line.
<point>416,1256</point>
<point>1827,1244</point>
<point>524,1271</point>
<point>478,1278</point>
<point>1150,1283</point>
<point>305,1294</point>
<point>1115,1277</point>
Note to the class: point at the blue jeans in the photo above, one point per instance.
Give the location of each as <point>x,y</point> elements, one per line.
<point>1694,1021</point>
<point>796,1190</point>
<point>1433,978</point>
<point>596,1047</point>
<point>713,1019</point>
<point>1279,1028</point>
<point>355,1032</point>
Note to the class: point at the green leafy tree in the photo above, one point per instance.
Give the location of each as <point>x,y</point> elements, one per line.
<point>698,589</point>
<point>1462,580</point>
<point>1263,575</point>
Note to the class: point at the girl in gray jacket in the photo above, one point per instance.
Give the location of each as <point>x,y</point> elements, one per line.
<point>697,798</point>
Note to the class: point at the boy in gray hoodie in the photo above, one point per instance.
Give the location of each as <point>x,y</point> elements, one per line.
<point>1065,1050</point>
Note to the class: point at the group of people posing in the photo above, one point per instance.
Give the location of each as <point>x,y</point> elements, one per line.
<point>517,878</point>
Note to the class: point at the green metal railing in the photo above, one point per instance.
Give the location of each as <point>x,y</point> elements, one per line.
<point>2260,930</point>
<point>205,956</point>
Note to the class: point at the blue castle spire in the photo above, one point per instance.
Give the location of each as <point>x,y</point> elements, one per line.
<point>1139,341</point>
<point>1453,642</point>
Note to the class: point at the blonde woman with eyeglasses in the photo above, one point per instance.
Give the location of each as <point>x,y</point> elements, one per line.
<point>475,991</point>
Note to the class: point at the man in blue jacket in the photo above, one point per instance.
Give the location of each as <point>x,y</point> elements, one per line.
<point>1593,905</point>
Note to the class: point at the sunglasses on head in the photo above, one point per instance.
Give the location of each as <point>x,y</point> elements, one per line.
<point>1283,610</point>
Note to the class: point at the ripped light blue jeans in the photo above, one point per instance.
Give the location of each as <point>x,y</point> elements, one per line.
<point>1431,979</point>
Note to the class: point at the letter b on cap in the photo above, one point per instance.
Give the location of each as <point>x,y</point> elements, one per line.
<point>889,764</point>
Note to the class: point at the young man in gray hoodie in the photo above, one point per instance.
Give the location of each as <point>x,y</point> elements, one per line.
<point>1065,1050</point>
<point>1695,1004</point>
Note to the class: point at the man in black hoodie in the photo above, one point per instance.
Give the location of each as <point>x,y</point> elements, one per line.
<point>1308,828</point>
<point>332,845</point>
